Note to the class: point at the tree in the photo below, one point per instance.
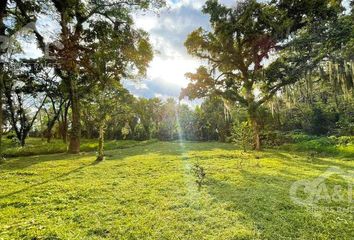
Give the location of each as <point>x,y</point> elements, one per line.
<point>18,93</point>
<point>80,22</point>
<point>3,5</point>
<point>7,14</point>
<point>238,46</point>
<point>148,112</point>
<point>115,53</point>
<point>185,122</point>
<point>242,135</point>
<point>167,126</point>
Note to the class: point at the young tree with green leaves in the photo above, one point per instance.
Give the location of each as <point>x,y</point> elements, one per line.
<point>114,54</point>
<point>105,103</point>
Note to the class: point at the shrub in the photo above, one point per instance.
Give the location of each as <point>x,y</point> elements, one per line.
<point>242,134</point>
<point>166,132</point>
<point>126,130</point>
<point>345,125</point>
<point>139,133</point>
<point>298,137</point>
<point>199,173</point>
<point>274,138</point>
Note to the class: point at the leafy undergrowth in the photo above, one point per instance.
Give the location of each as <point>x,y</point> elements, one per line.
<point>37,146</point>
<point>335,146</point>
<point>149,192</point>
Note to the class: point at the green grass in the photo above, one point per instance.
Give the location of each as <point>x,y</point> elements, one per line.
<point>149,192</point>
<point>37,146</point>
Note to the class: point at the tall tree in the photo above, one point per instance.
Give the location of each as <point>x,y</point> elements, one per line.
<point>238,46</point>
<point>114,54</point>
<point>3,5</point>
<point>19,92</point>
<point>78,19</point>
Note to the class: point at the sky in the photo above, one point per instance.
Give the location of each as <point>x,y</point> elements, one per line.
<point>168,31</point>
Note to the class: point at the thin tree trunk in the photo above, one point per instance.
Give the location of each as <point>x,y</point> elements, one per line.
<point>23,141</point>
<point>74,145</point>
<point>252,113</point>
<point>64,124</point>
<point>49,136</point>
<point>63,130</point>
<point>3,5</point>
<point>256,129</point>
<point>100,156</point>
<point>257,139</point>
<point>51,121</point>
<point>1,116</point>
<point>51,124</point>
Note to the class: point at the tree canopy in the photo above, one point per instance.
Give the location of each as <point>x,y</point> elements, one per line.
<point>247,50</point>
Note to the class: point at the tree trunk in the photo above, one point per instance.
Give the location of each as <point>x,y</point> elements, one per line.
<point>74,145</point>
<point>100,156</point>
<point>3,7</point>
<point>50,125</point>
<point>63,130</point>
<point>23,141</point>
<point>257,139</point>
<point>256,129</point>
<point>48,135</point>
<point>1,117</point>
<point>63,125</point>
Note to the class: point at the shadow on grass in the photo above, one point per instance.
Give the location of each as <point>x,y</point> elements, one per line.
<point>50,180</point>
<point>25,162</point>
<point>264,200</point>
<point>305,160</point>
<point>170,148</point>
<point>163,149</point>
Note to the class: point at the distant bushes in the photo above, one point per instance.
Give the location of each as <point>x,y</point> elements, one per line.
<point>275,138</point>
<point>140,134</point>
<point>35,146</point>
<point>343,145</point>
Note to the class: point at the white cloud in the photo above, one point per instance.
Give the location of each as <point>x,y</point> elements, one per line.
<point>168,30</point>
<point>172,70</point>
<point>197,4</point>
<point>146,22</point>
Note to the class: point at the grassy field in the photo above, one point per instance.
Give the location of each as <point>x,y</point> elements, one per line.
<point>148,191</point>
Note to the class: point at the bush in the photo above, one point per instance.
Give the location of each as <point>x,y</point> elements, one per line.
<point>126,130</point>
<point>297,137</point>
<point>14,140</point>
<point>166,132</point>
<point>345,124</point>
<point>200,175</point>
<point>242,134</point>
<point>274,138</point>
<point>139,133</point>
<point>343,140</point>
